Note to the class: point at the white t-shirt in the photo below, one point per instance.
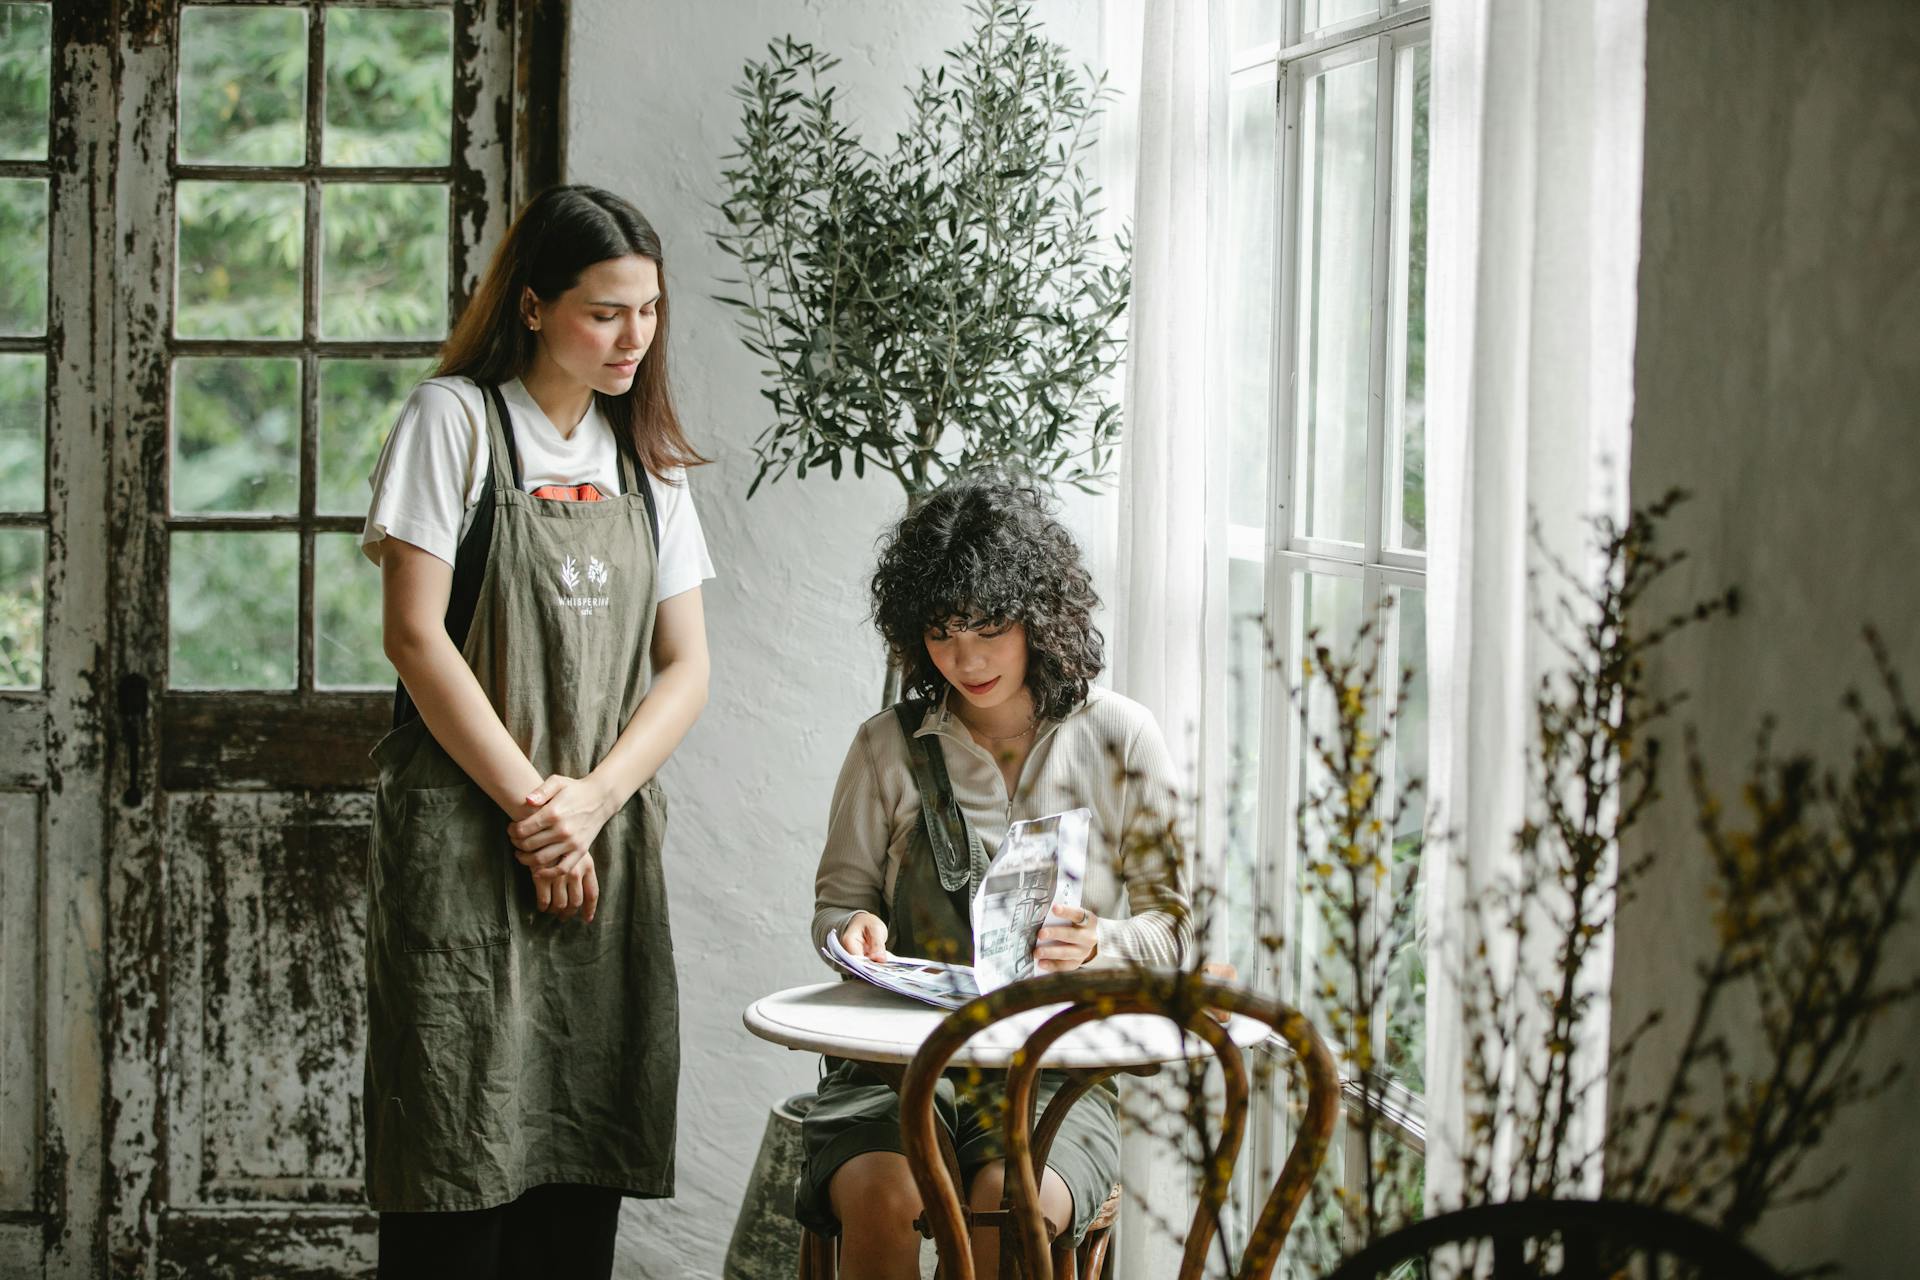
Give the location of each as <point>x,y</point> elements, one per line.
<point>434,464</point>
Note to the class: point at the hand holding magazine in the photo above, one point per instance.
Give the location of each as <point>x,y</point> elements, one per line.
<point>1040,867</point>
<point>947,986</point>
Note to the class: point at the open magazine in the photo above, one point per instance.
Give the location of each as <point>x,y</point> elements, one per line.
<point>1040,867</point>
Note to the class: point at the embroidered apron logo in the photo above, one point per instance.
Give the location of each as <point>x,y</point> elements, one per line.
<point>598,571</point>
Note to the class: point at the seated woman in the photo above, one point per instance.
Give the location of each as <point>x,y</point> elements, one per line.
<point>985,604</point>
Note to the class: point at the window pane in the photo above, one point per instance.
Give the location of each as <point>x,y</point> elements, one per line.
<point>1407,364</point>
<point>23,580</point>
<point>23,432</point>
<point>359,399</point>
<point>1335,272</point>
<point>1255,22</point>
<point>243,86</point>
<point>1407,997</point>
<point>384,273</point>
<point>236,435</point>
<point>240,253</point>
<point>1246,673</point>
<point>1332,607</point>
<point>234,604</point>
<point>1324,13</point>
<point>26,73</point>
<point>346,623</point>
<point>389,87</point>
<point>1250,296</point>
<point>23,241</point>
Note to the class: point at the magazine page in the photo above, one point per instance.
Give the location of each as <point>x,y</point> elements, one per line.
<point>946,986</point>
<point>1040,867</point>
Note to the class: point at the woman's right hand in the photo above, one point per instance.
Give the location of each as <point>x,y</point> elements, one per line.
<point>866,935</point>
<point>568,890</point>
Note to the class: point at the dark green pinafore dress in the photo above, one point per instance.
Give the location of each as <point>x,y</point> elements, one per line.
<point>931,916</point>
<point>505,1048</point>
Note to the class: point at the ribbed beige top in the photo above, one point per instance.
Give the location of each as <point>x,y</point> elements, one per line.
<point>1106,755</point>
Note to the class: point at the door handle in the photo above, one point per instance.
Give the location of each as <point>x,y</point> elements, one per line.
<point>133,731</point>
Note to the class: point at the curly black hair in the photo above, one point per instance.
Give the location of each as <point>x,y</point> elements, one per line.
<point>988,549</point>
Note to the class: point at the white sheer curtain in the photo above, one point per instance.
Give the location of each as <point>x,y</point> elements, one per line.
<point>1160,645</point>
<point>1160,615</point>
<point>1534,252</point>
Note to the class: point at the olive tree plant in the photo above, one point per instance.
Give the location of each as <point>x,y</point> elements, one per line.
<point>941,306</point>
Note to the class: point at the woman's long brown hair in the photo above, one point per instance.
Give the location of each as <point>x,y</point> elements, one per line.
<point>562,232</point>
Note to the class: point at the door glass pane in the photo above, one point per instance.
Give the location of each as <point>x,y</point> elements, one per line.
<point>23,432</point>
<point>240,251</point>
<point>1250,295</point>
<point>1407,998</point>
<point>389,87</point>
<point>359,399</point>
<point>1335,271</point>
<point>234,604</point>
<point>236,435</point>
<point>1324,13</point>
<point>384,270</point>
<point>23,241</point>
<point>23,577</point>
<point>1407,361</point>
<point>1331,607</point>
<point>26,73</point>
<point>243,86</point>
<point>346,624</point>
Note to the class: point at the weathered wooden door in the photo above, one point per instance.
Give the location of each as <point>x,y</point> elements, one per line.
<point>55,340</point>
<point>304,193</point>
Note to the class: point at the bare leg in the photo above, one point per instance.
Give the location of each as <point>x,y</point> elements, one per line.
<point>874,1197</point>
<point>1056,1205</point>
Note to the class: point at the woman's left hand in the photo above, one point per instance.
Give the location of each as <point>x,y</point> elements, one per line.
<point>1069,940</point>
<point>567,817</point>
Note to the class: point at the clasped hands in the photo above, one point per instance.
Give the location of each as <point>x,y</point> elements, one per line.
<point>554,842</point>
<point>1069,939</point>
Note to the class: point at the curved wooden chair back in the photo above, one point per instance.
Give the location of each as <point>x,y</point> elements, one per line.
<point>1189,1000</point>
<point>1563,1240</point>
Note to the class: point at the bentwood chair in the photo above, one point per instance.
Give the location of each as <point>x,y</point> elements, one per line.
<point>1561,1240</point>
<point>1190,1001</point>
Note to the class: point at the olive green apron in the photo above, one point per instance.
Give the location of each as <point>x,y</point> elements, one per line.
<point>505,1048</point>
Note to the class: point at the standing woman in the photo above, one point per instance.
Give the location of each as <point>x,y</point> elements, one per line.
<point>541,565</point>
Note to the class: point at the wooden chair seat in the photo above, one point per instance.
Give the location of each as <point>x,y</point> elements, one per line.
<point>820,1255</point>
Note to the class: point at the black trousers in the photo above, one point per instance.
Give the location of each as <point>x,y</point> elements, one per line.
<point>557,1231</point>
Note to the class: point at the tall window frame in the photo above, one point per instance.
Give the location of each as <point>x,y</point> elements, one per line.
<point>1282,537</point>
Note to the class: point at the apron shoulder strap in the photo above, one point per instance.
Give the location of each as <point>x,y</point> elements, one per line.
<point>501,445</point>
<point>634,476</point>
<point>957,851</point>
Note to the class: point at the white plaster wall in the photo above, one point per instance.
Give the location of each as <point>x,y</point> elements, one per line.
<point>795,664</point>
<point>1778,374</point>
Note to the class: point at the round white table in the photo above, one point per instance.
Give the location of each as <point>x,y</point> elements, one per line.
<point>854,1019</point>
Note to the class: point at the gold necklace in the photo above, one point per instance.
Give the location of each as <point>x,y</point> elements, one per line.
<point>1031,724</point>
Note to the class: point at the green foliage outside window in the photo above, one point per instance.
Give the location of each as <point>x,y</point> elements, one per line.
<point>25,76</point>
<point>22,601</point>
<point>25,79</point>
<point>383,274</point>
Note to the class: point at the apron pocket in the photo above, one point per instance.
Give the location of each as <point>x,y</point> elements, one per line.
<point>449,868</point>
